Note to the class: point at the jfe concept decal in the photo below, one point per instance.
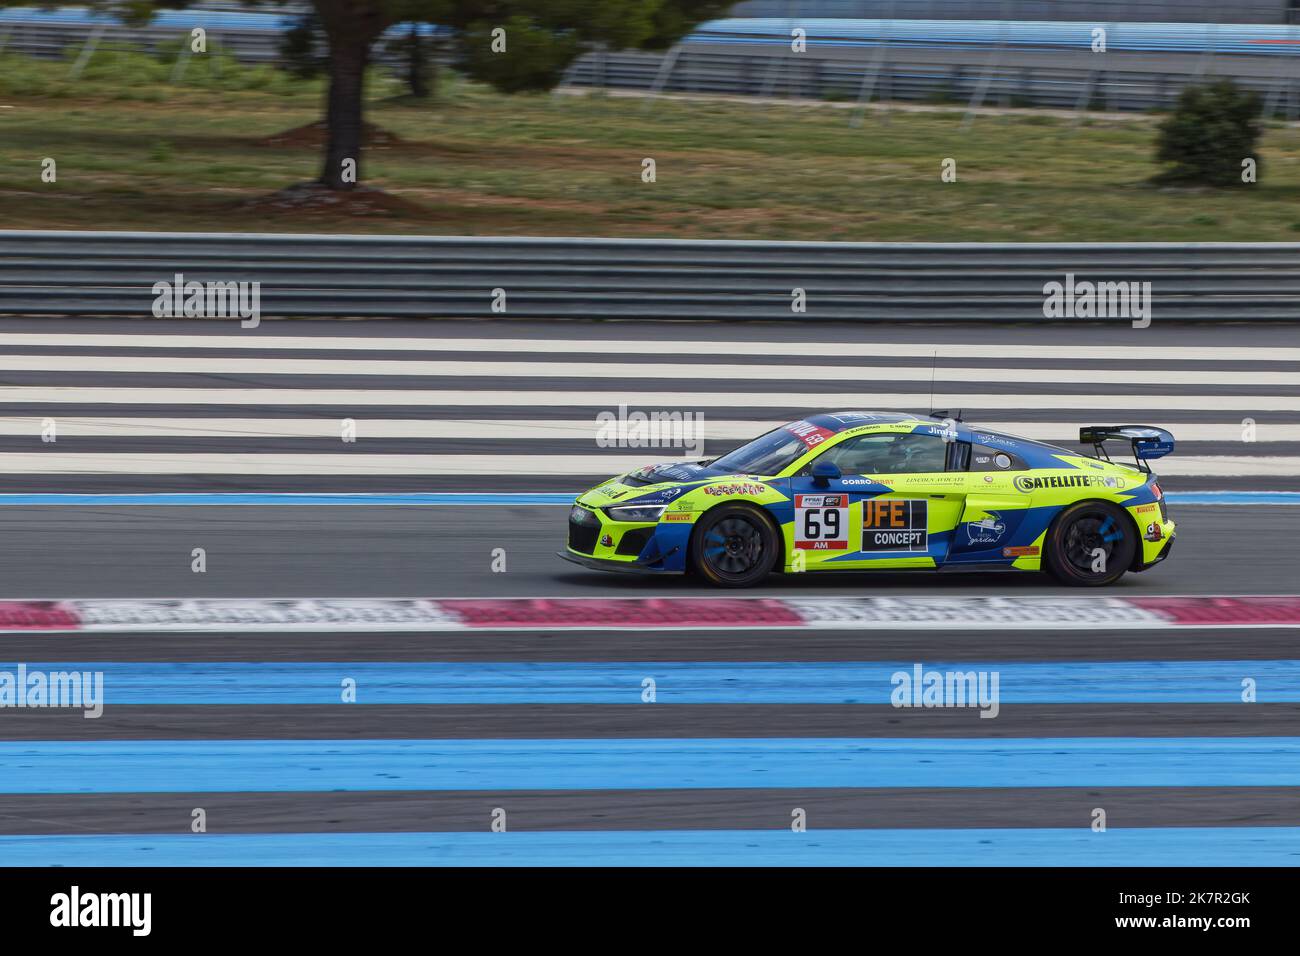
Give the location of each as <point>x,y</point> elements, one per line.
<point>895,525</point>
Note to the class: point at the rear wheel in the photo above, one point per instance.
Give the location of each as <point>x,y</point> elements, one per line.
<point>1091,544</point>
<point>734,546</point>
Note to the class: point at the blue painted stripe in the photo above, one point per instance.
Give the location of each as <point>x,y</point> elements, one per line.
<point>675,683</point>
<point>161,766</point>
<point>491,498</point>
<point>1234,497</point>
<point>1190,846</point>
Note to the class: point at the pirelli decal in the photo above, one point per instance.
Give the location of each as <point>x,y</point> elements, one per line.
<point>895,525</point>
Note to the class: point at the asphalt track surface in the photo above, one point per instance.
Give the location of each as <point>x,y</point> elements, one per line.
<point>272,551</point>
<point>447,551</point>
<point>376,551</point>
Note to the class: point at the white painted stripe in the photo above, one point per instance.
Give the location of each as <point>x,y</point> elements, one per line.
<point>255,339</point>
<point>977,372</point>
<point>536,429</point>
<point>550,398</point>
<point>61,463</point>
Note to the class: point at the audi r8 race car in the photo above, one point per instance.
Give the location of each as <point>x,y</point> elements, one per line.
<point>879,490</point>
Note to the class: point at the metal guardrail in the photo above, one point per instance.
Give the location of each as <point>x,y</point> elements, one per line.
<point>113,274</point>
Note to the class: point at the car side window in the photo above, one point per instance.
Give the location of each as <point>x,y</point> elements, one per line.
<point>984,458</point>
<point>889,454</point>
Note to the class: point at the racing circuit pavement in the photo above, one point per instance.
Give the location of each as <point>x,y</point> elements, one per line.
<point>551,724</point>
<point>447,551</point>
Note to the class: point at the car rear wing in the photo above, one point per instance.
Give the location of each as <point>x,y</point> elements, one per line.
<point>1147,441</point>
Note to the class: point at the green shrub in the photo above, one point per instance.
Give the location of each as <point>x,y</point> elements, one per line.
<point>1212,130</point>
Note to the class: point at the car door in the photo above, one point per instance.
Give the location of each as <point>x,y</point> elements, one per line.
<point>895,504</point>
<point>990,528</point>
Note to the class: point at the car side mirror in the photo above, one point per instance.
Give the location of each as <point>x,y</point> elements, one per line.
<point>823,472</point>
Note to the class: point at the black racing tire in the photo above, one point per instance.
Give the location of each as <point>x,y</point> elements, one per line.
<point>1075,535</point>
<point>734,546</point>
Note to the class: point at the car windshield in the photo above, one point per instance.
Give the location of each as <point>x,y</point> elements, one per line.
<point>767,455</point>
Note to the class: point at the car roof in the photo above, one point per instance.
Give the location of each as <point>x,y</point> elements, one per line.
<point>839,421</point>
<point>1038,454</point>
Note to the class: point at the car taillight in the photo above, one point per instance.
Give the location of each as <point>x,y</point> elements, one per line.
<point>1160,500</point>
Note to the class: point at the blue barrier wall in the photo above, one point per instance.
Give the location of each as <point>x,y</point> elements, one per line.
<point>1155,11</point>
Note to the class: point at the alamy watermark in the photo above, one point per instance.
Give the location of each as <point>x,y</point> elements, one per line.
<point>1120,299</point>
<point>180,299</point>
<point>922,688</point>
<point>82,690</point>
<point>76,909</point>
<point>655,429</point>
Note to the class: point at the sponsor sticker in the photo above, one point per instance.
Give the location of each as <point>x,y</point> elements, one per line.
<point>930,479</point>
<point>1028,483</point>
<point>895,525</point>
<point>821,522</point>
<point>679,516</point>
<point>1025,551</point>
<point>740,488</point>
<point>943,431</point>
<point>988,530</point>
<point>810,434</point>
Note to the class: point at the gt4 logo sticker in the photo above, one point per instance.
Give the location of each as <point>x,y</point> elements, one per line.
<point>891,525</point>
<point>821,522</point>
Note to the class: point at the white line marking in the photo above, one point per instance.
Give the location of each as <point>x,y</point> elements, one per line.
<point>536,429</point>
<point>256,340</point>
<point>55,463</point>
<point>778,374</point>
<point>549,398</point>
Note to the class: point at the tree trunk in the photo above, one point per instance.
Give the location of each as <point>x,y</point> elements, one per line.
<point>417,71</point>
<point>352,28</point>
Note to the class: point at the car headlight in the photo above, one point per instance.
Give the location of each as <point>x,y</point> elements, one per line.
<point>582,516</point>
<point>636,512</point>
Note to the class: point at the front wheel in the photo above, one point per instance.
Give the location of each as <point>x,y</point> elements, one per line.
<point>1091,544</point>
<point>734,546</point>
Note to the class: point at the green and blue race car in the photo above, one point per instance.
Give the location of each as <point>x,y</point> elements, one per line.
<point>854,491</point>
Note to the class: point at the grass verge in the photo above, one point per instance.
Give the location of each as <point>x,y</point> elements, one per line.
<point>135,150</point>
